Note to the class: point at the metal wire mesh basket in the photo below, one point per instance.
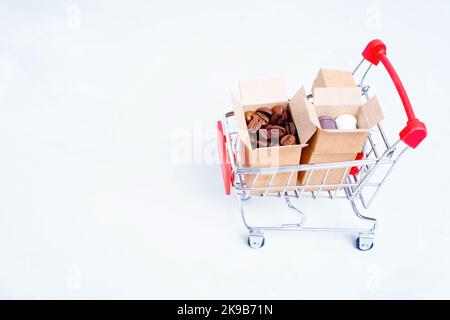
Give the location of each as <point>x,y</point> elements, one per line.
<point>361,179</point>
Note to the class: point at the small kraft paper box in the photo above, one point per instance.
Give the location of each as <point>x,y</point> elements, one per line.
<point>329,146</point>
<point>254,95</point>
<point>333,78</point>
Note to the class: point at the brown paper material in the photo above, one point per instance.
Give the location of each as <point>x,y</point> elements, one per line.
<point>333,97</point>
<point>270,90</point>
<point>333,78</point>
<point>305,113</point>
<point>328,146</point>
<point>370,114</point>
<point>266,93</point>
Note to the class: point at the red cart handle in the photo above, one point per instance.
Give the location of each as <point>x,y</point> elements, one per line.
<point>415,130</point>
<point>224,158</point>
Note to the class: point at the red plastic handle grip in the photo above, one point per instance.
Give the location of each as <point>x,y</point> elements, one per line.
<point>223,157</point>
<point>415,131</point>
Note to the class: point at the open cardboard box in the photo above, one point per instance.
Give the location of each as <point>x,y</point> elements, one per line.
<point>267,93</point>
<point>327,146</point>
<point>333,78</point>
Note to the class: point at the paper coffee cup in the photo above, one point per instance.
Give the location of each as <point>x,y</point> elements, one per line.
<point>346,122</point>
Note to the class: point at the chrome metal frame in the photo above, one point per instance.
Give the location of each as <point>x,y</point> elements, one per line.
<point>359,189</point>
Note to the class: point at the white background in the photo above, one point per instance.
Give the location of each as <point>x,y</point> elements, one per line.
<point>98,100</point>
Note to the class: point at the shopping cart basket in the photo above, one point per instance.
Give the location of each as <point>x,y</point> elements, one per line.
<point>360,183</point>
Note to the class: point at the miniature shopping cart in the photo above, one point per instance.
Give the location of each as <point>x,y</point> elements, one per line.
<point>360,183</point>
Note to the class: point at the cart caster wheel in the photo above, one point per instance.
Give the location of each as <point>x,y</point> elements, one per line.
<point>245,198</point>
<point>364,242</point>
<point>256,241</point>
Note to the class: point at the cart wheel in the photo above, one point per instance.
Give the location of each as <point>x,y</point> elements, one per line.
<point>256,240</point>
<point>364,242</point>
<point>245,197</point>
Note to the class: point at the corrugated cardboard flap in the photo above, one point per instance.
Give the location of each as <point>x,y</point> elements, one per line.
<point>339,141</point>
<point>370,113</point>
<point>350,96</point>
<point>240,121</point>
<point>270,90</point>
<point>303,110</point>
<point>334,78</point>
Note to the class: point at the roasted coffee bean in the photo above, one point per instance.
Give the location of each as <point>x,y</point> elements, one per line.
<point>266,111</point>
<point>274,119</point>
<point>290,128</point>
<point>277,110</point>
<point>288,140</point>
<point>249,116</point>
<point>264,119</point>
<point>286,115</point>
<point>279,121</point>
<point>255,124</point>
<point>286,127</point>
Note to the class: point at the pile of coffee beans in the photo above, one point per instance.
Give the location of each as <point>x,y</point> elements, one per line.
<point>271,127</point>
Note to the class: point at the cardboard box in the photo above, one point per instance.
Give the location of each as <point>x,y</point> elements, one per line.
<point>327,146</point>
<point>333,78</point>
<point>266,93</point>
